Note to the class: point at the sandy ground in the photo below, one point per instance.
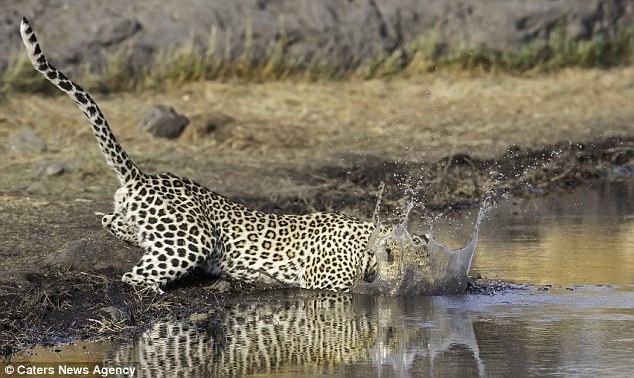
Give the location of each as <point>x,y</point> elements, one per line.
<point>286,147</point>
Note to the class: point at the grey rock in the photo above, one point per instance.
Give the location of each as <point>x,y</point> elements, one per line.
<point>115,314</point>
<point>26,140</point>
<point>87,255</point>
<point>339,33</point>
<point>220,286</point>
<point>162,121</point>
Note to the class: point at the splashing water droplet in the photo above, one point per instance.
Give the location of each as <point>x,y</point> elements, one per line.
<point>410,265</point>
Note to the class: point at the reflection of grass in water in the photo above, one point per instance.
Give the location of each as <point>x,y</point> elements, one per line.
<point>423,54</point>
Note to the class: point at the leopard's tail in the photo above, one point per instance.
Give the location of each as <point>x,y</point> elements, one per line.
<point>116,157</point>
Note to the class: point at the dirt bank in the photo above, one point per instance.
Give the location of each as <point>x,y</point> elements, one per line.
<point>284,147</point>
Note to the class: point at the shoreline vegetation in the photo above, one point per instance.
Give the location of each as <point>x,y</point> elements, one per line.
<point>422,55</point>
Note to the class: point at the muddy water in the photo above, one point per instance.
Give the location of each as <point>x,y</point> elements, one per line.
<point>574,316</point>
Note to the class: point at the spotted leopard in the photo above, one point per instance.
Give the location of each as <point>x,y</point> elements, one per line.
<point>182,225</point>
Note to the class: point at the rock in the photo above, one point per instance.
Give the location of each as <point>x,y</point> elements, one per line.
<point>47,167</point>
<point>97,252</point>
<point>340,34</point>
<point>26,140</point>
<point>116,314</point>
<point>220,286</point>
<point>117,31</point>
<point>162,121</point>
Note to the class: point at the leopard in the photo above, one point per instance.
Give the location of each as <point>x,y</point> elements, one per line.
<point>182,225</point>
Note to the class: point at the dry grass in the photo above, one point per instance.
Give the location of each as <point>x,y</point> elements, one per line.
<point>279,126</point>
<point>65,304</point>
<point>422,54</point>
<point>423,118</point>
<point>411,117</point>
<point>554,53</point>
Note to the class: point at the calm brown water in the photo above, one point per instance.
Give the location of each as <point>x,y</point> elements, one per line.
<point>574,316</point>
<point>583,238</point>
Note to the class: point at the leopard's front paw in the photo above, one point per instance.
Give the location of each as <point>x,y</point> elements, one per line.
<point>143,284</point>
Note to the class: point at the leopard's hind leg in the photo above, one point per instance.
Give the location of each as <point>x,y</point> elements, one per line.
<point>167,258</point>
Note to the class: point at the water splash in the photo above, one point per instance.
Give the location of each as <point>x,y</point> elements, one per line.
<point>407,265</point>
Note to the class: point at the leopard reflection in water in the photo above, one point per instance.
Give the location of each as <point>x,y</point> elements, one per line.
<point>307,333</point>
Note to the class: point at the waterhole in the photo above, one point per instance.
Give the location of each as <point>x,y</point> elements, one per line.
<point>570,312</point>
